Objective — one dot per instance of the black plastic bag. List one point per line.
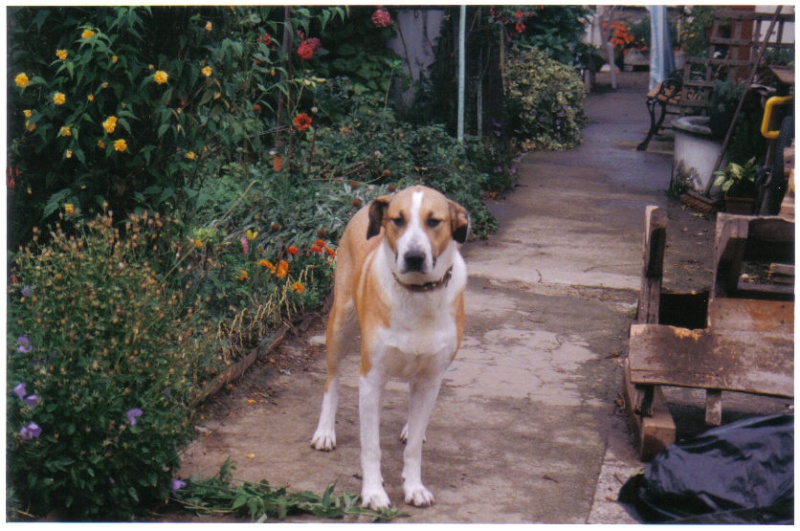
(741, 473)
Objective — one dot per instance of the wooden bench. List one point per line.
(747, 344)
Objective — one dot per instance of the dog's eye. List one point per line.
(399, 222)
(433, 223)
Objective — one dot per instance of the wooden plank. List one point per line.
(751, 315)
(729, 248)
(655, 432)
(713, 407)
(655, 240)
(760, 362)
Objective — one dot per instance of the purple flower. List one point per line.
(20, 391)
(177, 485)
(132, 414)
(23, 345)
(26, 291)
(31, 401)
(30, 431)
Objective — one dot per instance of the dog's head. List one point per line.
(422, 228)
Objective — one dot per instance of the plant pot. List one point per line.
(739, 205)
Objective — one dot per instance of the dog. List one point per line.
(401, 278)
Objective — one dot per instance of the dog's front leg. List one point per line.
(370, 389)
(422, 398)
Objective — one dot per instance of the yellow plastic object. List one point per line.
(772, 102)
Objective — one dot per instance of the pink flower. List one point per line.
(245, 245)
(381, 18)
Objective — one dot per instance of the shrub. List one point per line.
(544, 101)
(113, 358)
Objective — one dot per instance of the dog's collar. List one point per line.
(428, 286)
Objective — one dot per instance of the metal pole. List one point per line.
(462, 31)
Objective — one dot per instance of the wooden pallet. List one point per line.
(747, 344)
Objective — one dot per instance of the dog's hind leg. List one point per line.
(341, 329)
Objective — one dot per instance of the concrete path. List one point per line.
(526, 429)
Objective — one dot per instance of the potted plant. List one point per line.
(738, 184)
(724, 100)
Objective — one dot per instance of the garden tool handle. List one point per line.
(772, 102)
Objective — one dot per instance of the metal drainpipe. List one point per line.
(462, 30)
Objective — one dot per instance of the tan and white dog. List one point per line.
(400, 276)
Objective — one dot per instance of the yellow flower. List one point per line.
(101, 144)
(206, 71)
(104, 85)
(68, 154)
(27, 113)
(198, 244)
(90, 97)
(251, 235)
(190, 155)
(209, 26)
(21, 80)
(69, 208)
(31, 127)
(110, 124)
(114, 59)
(64, 131)
(160, 77)
(298, 287)
(61, 54)
(59, 98)
(242, 275)
(87, 34)
(120, 145)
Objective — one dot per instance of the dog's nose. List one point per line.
(415, 260)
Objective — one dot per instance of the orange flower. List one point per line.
(282, 270)
(316, 249)
(302, 122)
(320, 243)
(292, 250)
(298, 287)
(331, 252)
(277, 163)
(242, 275)
(266, 264)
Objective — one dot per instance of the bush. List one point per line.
(544, 101)
(104, 361)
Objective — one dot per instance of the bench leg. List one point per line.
(653, 432)
(654, 125)
(713, 407)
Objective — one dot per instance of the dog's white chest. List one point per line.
(415, 345)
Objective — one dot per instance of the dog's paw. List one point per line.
(417, 495)
(375, 499)
(324, 441)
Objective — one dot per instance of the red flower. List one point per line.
(316, 249)
(302, 122)
(520, 27)
(314, 43)
(266, 39)
(305, 51)
(292, 250)
(381, 18)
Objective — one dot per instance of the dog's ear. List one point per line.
(377, 209)
(459, 222)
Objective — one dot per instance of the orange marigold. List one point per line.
(282, 269)
(302, 122)
(298, 287)
(292, 250)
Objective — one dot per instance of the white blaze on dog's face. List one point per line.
(422, 229)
